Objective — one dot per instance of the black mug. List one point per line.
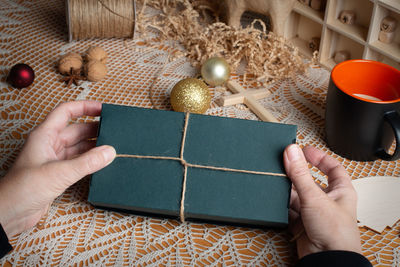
(362, 110)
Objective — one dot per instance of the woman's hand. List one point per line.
(55, 156)
(327, 217)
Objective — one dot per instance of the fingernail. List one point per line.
(294, 152)
(109, 153)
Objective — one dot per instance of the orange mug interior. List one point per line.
(375, 80)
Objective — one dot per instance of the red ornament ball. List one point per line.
(21, 76)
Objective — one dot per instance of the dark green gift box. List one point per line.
(153, 186)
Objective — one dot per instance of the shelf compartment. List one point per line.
(335, 42)
(389, 61)
(377, 56)
(344, 43)
(391, 50)
(362, 8)
(307, 11)
(358, 31)
(301, 32)
(354, 32)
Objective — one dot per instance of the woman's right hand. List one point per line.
(327, 218)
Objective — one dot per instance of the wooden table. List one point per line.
(74, 233)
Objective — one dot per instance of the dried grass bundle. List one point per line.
(269, 58)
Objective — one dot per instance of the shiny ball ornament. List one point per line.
(190, 95)
(215, 71)
(21, 76)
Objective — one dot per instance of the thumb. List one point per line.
(298, 172)
(75, 169)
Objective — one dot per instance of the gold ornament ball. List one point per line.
(215, 71)
(190, 95)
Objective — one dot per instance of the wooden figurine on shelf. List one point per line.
(317, 4)
(313, 44)
(388, 24)
(341, 56)
(277, 10)
(388, 27)
(347, 17)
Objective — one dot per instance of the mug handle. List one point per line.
(393, 118)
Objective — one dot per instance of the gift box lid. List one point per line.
(154, 186)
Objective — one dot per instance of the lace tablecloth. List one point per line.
(75, 233)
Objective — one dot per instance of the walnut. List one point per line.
(96, 53)
(71, 62)
(95, 70)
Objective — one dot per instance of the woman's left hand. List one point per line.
(55, 156)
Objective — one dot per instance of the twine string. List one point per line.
(186, 164)
(115, 13)
(101, 18)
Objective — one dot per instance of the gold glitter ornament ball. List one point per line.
(190, 95)
(215, 71)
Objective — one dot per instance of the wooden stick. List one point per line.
(235, 99)
(249, 98)
(259, 110)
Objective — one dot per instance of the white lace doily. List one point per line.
(35, 32)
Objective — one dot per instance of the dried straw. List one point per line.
(268, 57)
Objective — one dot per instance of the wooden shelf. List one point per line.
(302, 9)
(354, 32)
(303, 31)
(390, 50)
(359, 39)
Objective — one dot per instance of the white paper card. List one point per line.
(378, 201)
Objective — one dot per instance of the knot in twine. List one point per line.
(186, 164)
